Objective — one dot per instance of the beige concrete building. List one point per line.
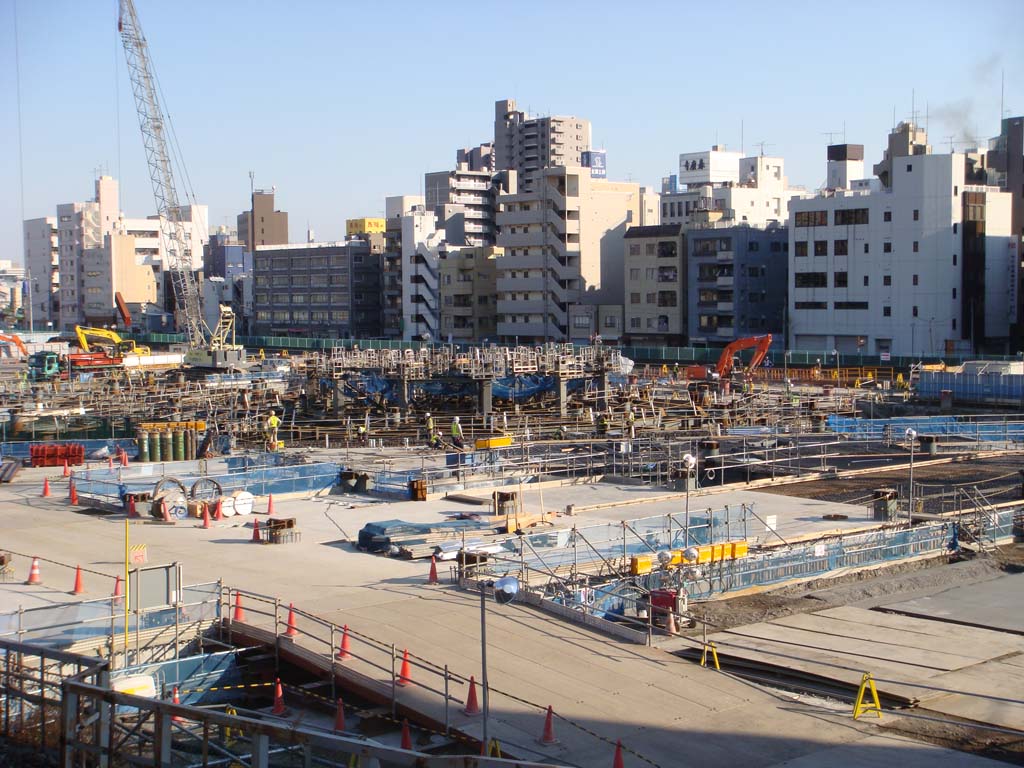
(110, 270)
(563, 242)
(261, 224)
(42, 266)
(469, 291)
(655, 285)
(527, 144)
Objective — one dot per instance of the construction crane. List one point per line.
(206, 348)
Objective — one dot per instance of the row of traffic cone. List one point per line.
(35, 577)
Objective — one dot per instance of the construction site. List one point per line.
(224, 551)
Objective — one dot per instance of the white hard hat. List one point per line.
(427, 413)
(456, 418)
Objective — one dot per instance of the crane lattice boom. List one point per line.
(153, 125)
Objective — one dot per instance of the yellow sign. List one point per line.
(137, 554)
(156, 426)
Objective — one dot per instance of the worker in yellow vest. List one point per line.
(272, 425)
(457, 433)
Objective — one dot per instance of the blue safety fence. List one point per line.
(1002, 429)
(204, 679)
(993, 388)
(20, 450)
(259, 475)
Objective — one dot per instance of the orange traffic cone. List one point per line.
(72, 494)
(548, 737)
(206, 516)
(472, 705)
(124, 458)
(132, 511)
(618, 762)
(167, 514)
(343, 652)
(292, 631)
(239, 611)
(432, 578)
(78, 588)
(339, 717)
(270, 505)
(278, 700)
(34, 577)
(218, 512)
(175, 700)
(117, 587)
(46, 487)
(404, 675)
(670, 624)
(67, 469)
(406, 735)
(110, 462)
(256, 532)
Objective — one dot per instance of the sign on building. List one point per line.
(596, 160)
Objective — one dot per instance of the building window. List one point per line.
(811, 218)
(664, 209)
(954, 228)
(954, 293)
(611, 322)
(887, 280)
(917, 215)
(634, 322)
(634, 273)
(886, 311)
(800, 248)
(811, 305)
(581, 321)
(851, 305)
(865, 281)
(915, 311)
(753, 245)
(915, 279)
(651, 273)
(886, 247)
(910, 167)
(841, 247)
(634, 298)
(916, 246)
(866, 248)
(649, 249)
(821, 247)
(851, 216)
(954, 323)
(887, 216)
(652, 298)
(840, 279)
(810, 280)
(954, 259)
(634, 250)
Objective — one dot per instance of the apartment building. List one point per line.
(920, 261)
(82, 226)
(224, 256)
(42, 267)
(722, 188)
(563, 243)
(737, 282)
(423, 244)
(1005, 161)
(464, 203)
(327, 290)
(526, 144)
(261, 224)
(391, 279)
(114, 268)
(655, 285)
(469, 293)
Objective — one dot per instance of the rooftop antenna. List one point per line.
(762, 145)
(1002, 94)
(252, 183)
(844, 131)
(832, 134)
(950, 138)
(913, 107)
(894, 117)
(742, 142)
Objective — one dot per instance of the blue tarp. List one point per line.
(927, 425)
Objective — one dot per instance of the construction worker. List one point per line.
(631, 422)
(362, 434)
(436, 441)
(457, 433)
(602, 425)
(675, 372)
(272, 425)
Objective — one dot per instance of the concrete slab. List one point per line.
(889, 750)
(995, 604)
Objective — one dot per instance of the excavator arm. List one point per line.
(111, 339)
(10, 338)
(725, 362)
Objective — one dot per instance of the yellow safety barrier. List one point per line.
(714, 656)
(494, 749)
(867, 683)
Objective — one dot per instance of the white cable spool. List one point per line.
(227, 506)
(243, 502)
(177, 505)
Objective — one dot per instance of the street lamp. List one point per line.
(689, 462)
(505, 591)
(912, 437)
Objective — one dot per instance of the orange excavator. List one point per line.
(727, 360)
(10, 338)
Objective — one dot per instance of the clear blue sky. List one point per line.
(340, 104)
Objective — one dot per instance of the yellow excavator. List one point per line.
(104, 338)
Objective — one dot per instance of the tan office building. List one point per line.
(468, 287)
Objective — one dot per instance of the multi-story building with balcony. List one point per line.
(464, 203)
(317, 289)
(468, 288)
(737, 283)
(563, 244)
(722, 188)
(423, 244)
(920, 261)
(655, 285)
(42, 267)
(526, 144)
(391, 276)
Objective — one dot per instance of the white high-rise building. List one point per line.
(721, 188)
(920, 261)
(42, 267)
(422, 244)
